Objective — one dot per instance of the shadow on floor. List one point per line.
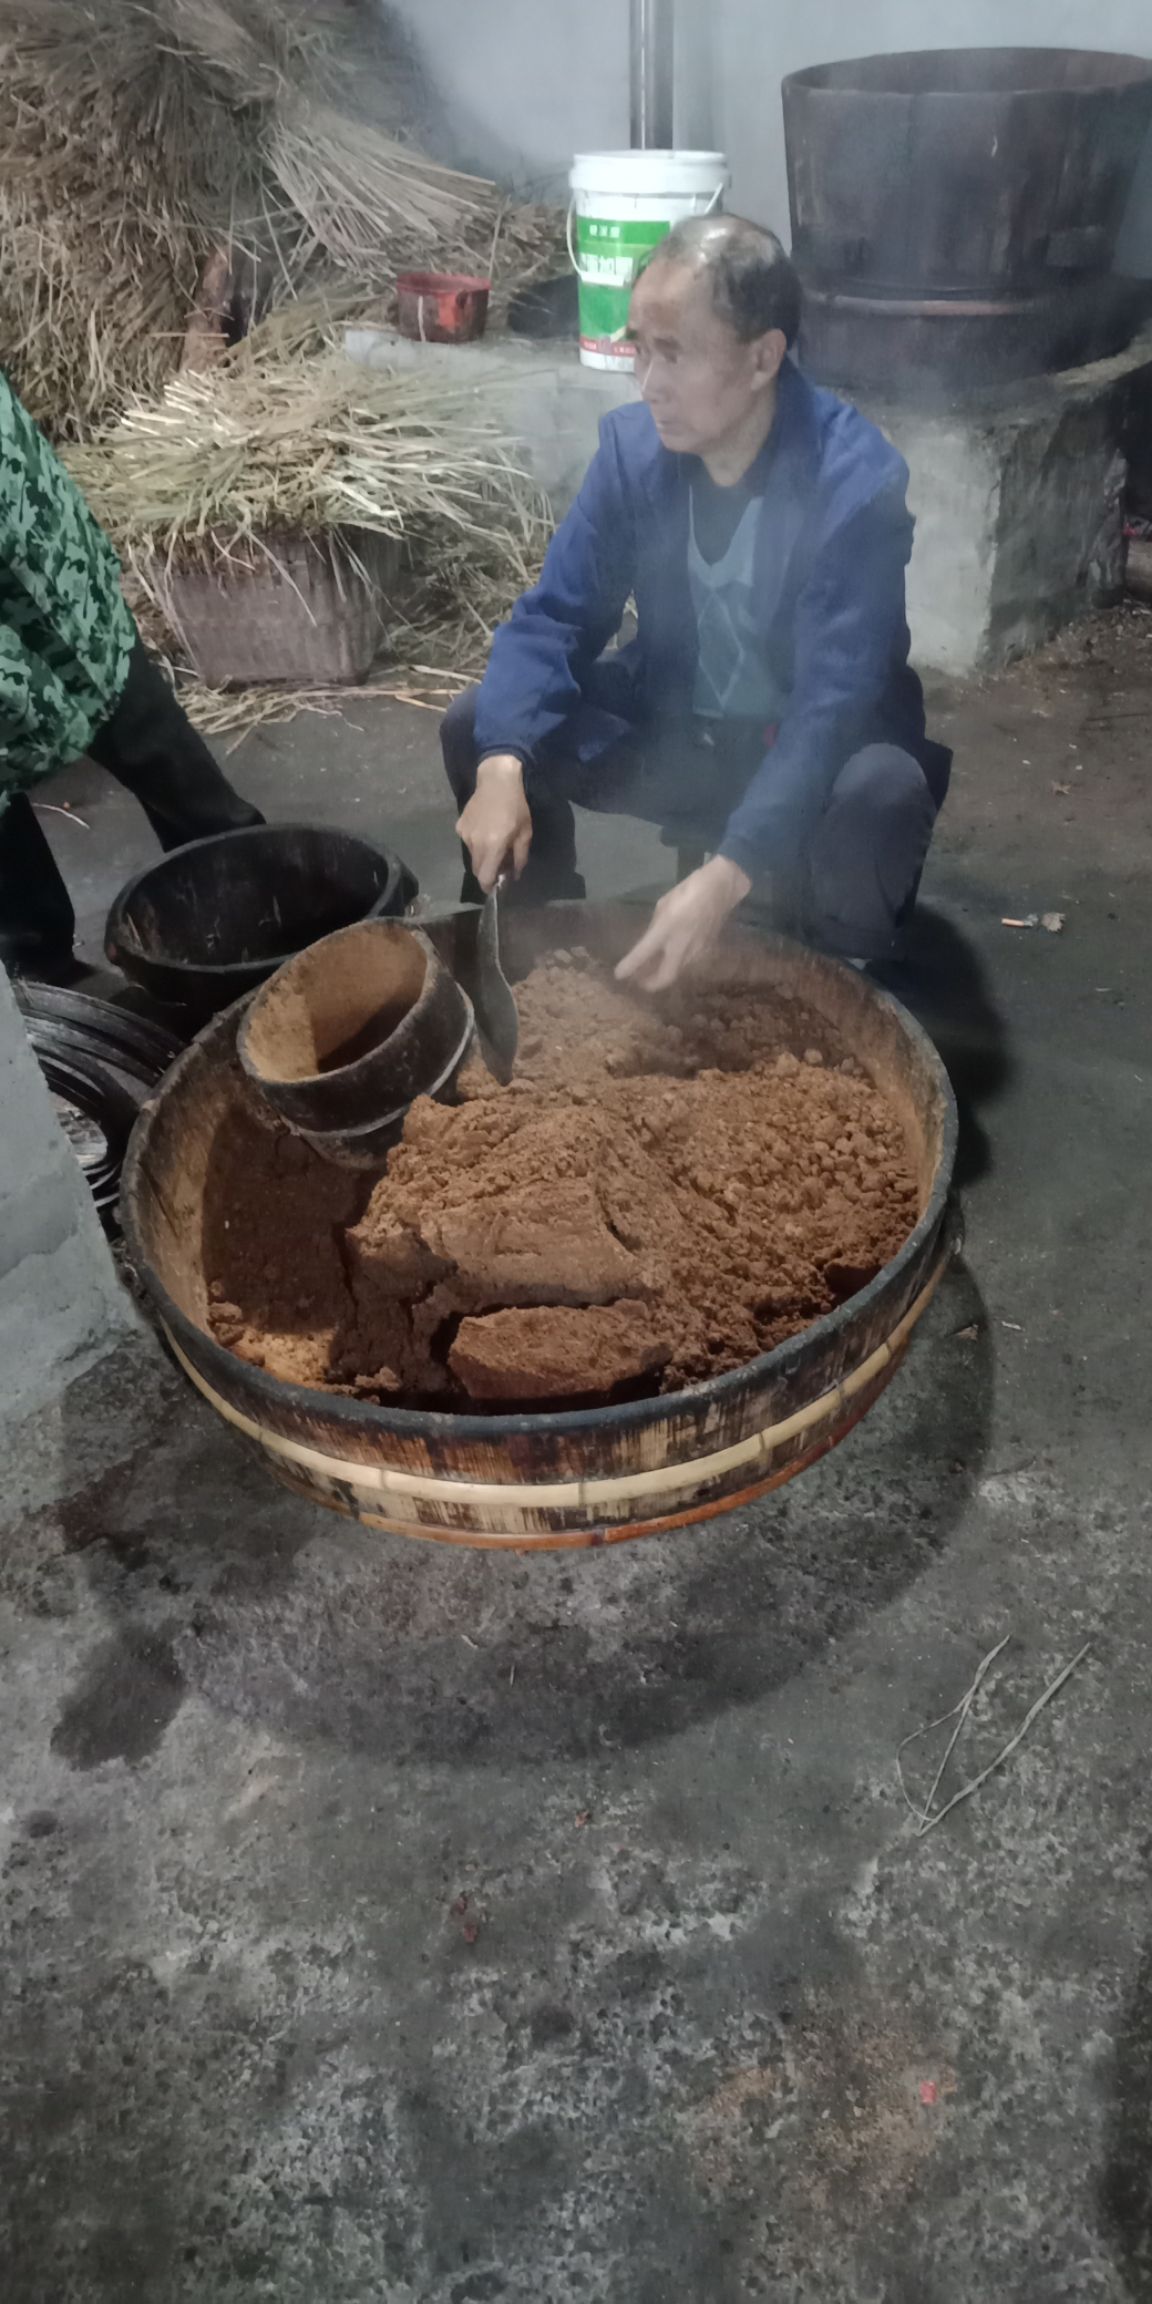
(214, 1581)
(1125, 2190)
(942, 980)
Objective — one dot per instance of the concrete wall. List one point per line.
(61, 1303)
(518, 85)
(1009, 498)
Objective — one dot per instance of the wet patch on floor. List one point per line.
(125, 1701)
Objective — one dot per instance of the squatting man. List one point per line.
(765, 714)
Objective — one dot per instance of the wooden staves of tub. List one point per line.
(582, 1476)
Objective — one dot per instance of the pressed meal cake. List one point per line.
(665, 1190)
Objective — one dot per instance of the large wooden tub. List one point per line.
(588, 1476)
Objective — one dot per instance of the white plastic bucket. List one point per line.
(623, 204)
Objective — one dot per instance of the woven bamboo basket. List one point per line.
(306, 610)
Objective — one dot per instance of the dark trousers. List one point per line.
(150, 746)
(855, 884)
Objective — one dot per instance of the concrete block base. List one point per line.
(1018, 503)
(538, 393)
(1011, 489)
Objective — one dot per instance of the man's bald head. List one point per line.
(754, 285)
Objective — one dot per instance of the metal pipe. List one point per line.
(653, 55)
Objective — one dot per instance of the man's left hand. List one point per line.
(686, 921)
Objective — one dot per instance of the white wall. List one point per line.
(519, 85)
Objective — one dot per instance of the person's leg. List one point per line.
(672, 775)
(150, 746)
(867, 853)
(37, 922)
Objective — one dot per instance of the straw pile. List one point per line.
(285, 437)
(102, 245)
(138, 136)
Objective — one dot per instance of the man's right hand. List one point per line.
(496, 825)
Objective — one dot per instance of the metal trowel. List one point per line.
(497, 1020)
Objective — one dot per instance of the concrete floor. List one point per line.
(386, 1923)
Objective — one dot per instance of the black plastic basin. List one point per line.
(213, 920)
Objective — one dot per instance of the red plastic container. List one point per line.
(442, 307)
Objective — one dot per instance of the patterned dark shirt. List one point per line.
(66, 635)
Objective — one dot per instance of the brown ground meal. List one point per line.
(665, 1190)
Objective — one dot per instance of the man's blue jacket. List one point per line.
(834, 540)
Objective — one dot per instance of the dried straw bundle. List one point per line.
(136, 135)
(369, 200)
(302, 445)
(101, 245)
(270, 444)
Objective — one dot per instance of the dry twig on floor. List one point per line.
(928, 1815)
(959, 1713)
(237, 712)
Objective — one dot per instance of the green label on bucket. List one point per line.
(609, 251)
(609, 254)
(603, 314)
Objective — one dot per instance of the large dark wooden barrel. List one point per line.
(587, 1476)
(955, 211)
